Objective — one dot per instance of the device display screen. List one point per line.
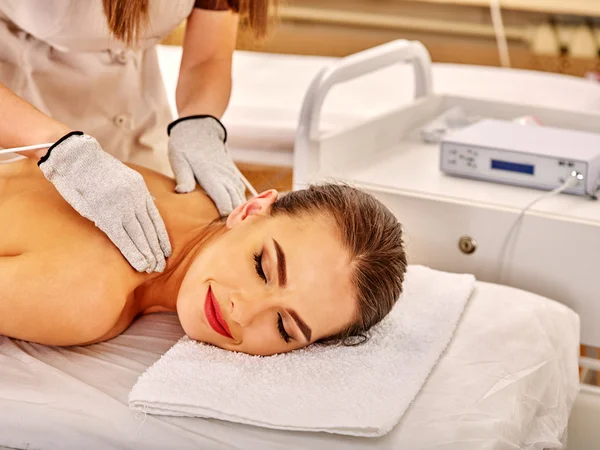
(512, 167)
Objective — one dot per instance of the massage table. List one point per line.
(507, 380)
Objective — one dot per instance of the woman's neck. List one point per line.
(189, 222)
(159, 291)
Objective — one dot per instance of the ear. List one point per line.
(259, 205)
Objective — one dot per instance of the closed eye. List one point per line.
(284, 334)
(261, 273)
(258, 266)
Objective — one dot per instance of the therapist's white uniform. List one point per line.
(59, 56)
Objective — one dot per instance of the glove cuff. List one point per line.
(73, 155)
(44, 158)
(199, 117)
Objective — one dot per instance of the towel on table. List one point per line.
(361, 391)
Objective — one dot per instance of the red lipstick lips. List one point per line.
(212, 310)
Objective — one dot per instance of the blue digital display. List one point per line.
(512, 167)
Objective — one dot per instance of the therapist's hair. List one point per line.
(373, 238)
(256, 15)
(126, 19)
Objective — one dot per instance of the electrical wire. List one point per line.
(246, 182)
(42, 146)
(573, 180)
(26, 148)
(498, 25)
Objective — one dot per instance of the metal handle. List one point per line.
(346, 69)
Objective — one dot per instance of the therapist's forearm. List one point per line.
(21, 124)
(204, 89)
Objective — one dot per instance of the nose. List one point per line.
(246, 306)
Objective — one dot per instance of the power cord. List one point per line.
(498, 25)
(574, 178)
(42, 146)
(27, 148)
(246, 182)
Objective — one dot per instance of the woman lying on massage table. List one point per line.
(321, 264)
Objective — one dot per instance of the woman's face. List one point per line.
(268, 285)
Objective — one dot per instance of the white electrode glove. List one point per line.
(197, 151)
(104, 190)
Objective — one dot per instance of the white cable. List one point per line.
(27, 148)
(573, 179)
(41, 146)
(498, 25)
(246, 182)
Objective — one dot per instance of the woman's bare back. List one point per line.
(75, 274)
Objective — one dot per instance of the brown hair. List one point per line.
(257, 14)
(127, 18)
(373, 238)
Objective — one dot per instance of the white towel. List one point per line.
(360, 391)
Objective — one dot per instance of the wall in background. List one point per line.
(551, 35)
(560, 36)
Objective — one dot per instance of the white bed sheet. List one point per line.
(508, 380)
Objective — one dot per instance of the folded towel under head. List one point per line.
(361, 391)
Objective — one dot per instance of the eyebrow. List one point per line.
(281, 267)
(306, 331)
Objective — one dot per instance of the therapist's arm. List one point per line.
(21, 124)
(204, 84)
(131, 221)
(197, 149)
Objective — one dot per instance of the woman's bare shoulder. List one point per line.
(47, 299)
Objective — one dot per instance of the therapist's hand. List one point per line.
(104, 190)
(197, 152)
